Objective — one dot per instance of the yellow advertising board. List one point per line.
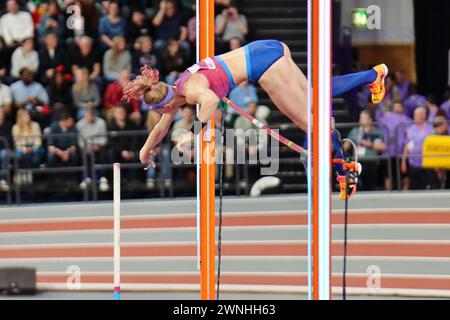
(436, 152)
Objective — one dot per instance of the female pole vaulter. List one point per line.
(267, 62)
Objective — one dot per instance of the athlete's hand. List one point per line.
(182, 142)
(144, 157)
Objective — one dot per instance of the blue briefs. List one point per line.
(260, 55)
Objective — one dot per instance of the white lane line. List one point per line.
(151, 244)
(170, 216)
(229, 228)
(263, 289)
(296, 259)
(229, 242)
(250, 274)
(147, 230)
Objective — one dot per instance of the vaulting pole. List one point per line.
(207, 167)
(321, 147)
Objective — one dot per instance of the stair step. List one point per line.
(291, 174)
(297, 43)
(262, 12)
(284, 20)
(296, 187)
(299, 55)
(282, 33)
(278, 23)
(271, 3)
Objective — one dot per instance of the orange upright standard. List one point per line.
(207, 165)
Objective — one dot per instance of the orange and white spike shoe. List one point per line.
(377, 87)
(349, 191)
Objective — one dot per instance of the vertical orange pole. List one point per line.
(315, 146)
(207, 168)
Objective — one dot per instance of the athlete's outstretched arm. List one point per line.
(155, 136)
(207, 99)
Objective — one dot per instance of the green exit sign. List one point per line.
(359, 18)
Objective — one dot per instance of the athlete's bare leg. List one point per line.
(287, 87)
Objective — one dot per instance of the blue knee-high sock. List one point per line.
(342, 84)
(337, 152)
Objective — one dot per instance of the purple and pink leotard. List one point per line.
(214, 70)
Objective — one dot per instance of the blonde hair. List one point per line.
(116, 52)
(82, 86)
(146, 86)
(19, 122)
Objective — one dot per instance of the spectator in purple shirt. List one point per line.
(416, 134)
(413, 101)
(446, 105)
(393, 125)
(432, 107)
(402, 83)
(391, 95)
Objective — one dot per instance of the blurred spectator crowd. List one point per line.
(63, 64)
(389, 137)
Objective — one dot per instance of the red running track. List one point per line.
(422, 249)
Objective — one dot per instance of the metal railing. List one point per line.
(43, 168)
(4, 145)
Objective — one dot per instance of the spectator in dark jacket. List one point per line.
(59, 92)
(144, 55)
(53, 21)
(62, 150)
(138, 26)
(170, 24)
(440, 128)
(123, 148)
(51, 55)
(84, 55)
(174, 61)
(369, 143)
(5, 148)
